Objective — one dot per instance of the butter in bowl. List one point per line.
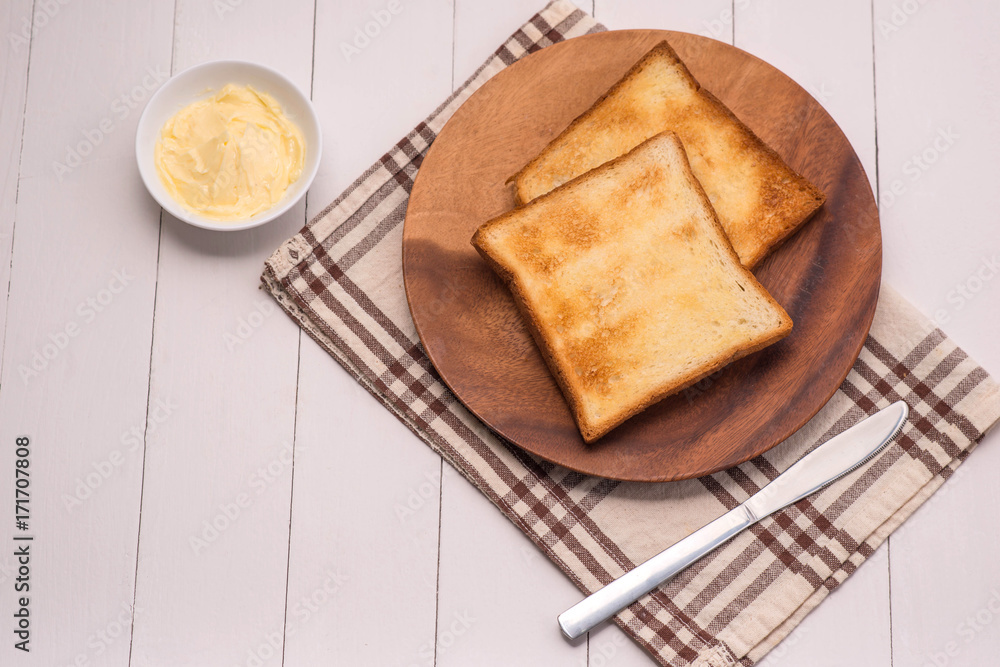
(228, 145)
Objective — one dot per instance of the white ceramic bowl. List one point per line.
(200, 82)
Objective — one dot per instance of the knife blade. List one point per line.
(833, 459)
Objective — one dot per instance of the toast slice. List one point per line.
(629, 285)
(758, 198)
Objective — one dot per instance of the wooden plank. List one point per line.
(858, 609)
(365, 505)
(374, 83)
(937, 111)
(937, 130)
(217, 488)
(364, 518)
(945, 584)
(713, 18)
(480, 29)
(504, 582)
(608, 644)
(15, 23)
(76, 357)
(494, 583)
(827, 49)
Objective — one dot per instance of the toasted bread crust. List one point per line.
(661, 50)
(592, 430)
(767, 225)
(794, 218)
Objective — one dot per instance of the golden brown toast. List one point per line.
(629, 285)
(759, 200)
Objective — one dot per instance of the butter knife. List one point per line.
(828, 462)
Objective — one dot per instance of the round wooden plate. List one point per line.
(826, 276)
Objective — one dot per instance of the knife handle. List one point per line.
(626, 589)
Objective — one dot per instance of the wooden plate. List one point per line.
(826, 276)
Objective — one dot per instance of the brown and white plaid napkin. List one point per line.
(341, 278)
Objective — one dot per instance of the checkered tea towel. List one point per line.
(341, 279)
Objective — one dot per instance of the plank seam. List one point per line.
(878, 197)
(298, 375)
(312, 80)
(17, 184)
(437, 576)
(291, 481)
(145, 434)
(875, 105)
(149, 385)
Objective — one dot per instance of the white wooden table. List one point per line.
(189, 501)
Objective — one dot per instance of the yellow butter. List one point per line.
(231, 156)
